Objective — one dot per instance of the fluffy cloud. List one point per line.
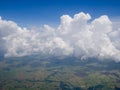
(75, 36)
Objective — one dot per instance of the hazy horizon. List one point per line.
(59, 45)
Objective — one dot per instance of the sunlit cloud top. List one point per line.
(75, 36)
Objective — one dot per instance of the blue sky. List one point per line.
(38, 12)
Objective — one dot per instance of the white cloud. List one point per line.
(74, 36)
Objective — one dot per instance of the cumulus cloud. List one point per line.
(75, 36)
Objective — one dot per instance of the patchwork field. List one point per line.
(58, 74)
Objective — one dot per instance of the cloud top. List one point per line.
(75, 36)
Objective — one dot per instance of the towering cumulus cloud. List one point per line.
(75, 36)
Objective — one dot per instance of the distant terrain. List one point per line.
(30, 73)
